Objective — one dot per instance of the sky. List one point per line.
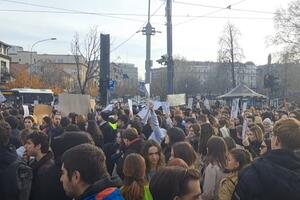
(197, 26)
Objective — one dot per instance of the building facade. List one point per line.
(4, 63)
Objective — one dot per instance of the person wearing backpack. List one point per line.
(15, 175)
(276, 175)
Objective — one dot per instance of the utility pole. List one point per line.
(170, 66)
(232, 58)
(148, 30)
(104, 73)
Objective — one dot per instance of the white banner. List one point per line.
(176, 99)
(190, 103)
(130, 106)
(234, 108)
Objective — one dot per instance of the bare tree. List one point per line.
(230, 50)
(86, 57)
(287, 24)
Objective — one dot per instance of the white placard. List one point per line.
(190, 103)
(156, 104)
(176, 99)
(26, 110)
(143, 113)
(130, 106)
(166, 107)
(147, 86)
(234, 108)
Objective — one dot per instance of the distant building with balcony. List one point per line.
(4, 63)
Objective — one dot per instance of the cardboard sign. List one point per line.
(41, 111)
(77, 103)
(176, 99)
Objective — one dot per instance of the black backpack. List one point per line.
(15, 182)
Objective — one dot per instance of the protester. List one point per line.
(28, 122)
(12, 186)
(237, 159)
(277, 174)
(154, 158)
(173, 135)
(253, 140)
(184, 151)
(215, 163)
(133, 143)
(135, 185)
(37, 146)
(175, 183)
(84, 174)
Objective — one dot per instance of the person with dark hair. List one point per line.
(253, 140)
(133, 144)
(65, 122)
(123, 121)
(185, 151)
(84, 174)
(37, 146)
(46, 124)
(95, 132)
(172, 183)
(237, 159)
(81, 122)
(206, 132)
(215, 163)
(135, 186)
(174, 135)
(15, 175)
(28, 122)
(73, 118)
(24, 134)
(15, 133)
(276, 175)
(154, 158)
(56, 129)
(194, 135)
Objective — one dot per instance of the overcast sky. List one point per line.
(194, 39)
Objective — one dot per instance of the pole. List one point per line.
(104, 74)
(170, 66)
(148, 30)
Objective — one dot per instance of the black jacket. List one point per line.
(39, 182)
(136, 146)
(15, 175)
(274, 176)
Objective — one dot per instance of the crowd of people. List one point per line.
(187, 154)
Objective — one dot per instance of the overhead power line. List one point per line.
(229, 7)
(132, 35)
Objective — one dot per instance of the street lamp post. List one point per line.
(44, 40)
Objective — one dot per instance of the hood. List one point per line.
(7, 156)
(101, 185)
